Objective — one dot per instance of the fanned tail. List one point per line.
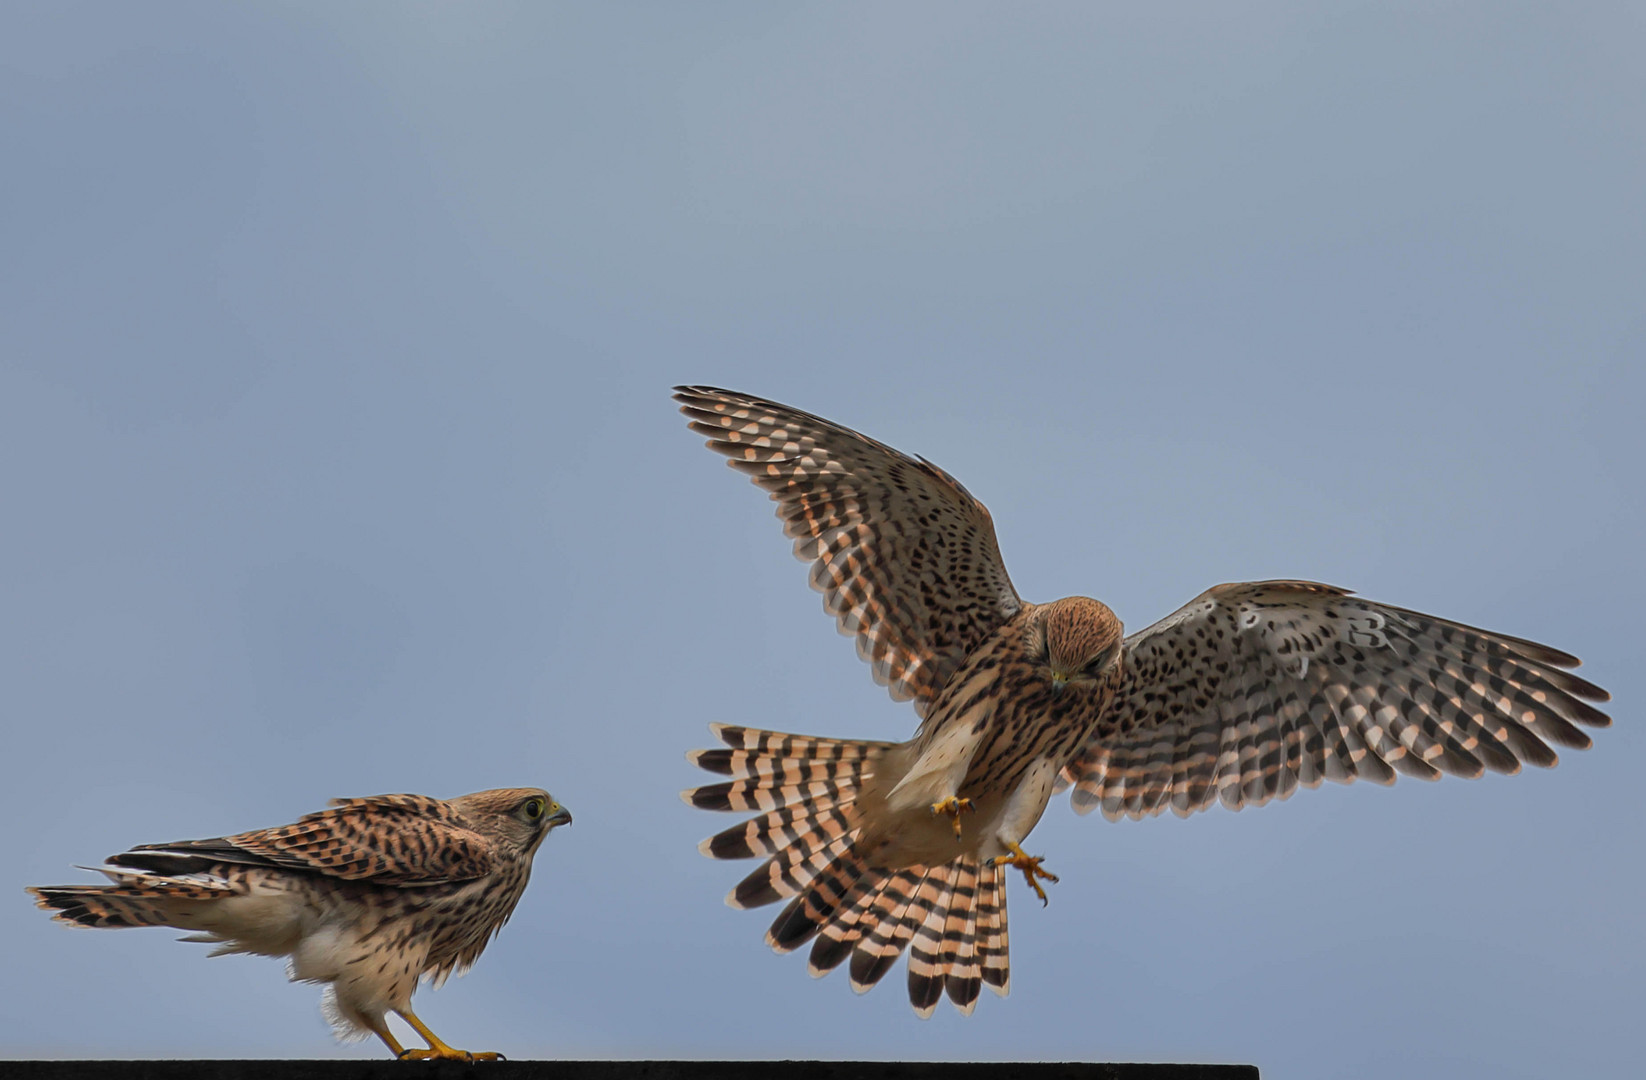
(952, 918)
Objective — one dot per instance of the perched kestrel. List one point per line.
(1245, 694)
(367, 897)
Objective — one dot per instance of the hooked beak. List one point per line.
(1059, 680)
(561, 816)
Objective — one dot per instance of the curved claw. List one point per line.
(1030, 865)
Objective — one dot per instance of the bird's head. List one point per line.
(521, 816)
(1078, 639)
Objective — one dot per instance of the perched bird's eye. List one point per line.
(1096, 667)
(534, 808)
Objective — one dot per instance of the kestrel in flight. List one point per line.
(367, 897)
(1245, 694)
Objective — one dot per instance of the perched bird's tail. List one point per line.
(134, 899)
(951, 917)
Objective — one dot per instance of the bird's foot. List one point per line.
(438, 1050)
(1030, 865)
(953, 807)
(446, 1053)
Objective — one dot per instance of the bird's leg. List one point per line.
(381, 1030)
(437, 1049)
(953, 807)
(1030, 865)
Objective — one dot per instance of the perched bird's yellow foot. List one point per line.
(954, 807)
(1030, 865)
(437, 1051)
(446, 1053)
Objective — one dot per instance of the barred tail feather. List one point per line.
(771, 770)
(888, 929)
(963, 974)
(927, 972)
(834, 888)
(786, 874)
(836, 939)
(952, 919)
(803, 787)
(134, 900)
(992, 942)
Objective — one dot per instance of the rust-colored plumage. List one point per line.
(1245, 694)
(367, 897)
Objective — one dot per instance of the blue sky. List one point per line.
(338, 459)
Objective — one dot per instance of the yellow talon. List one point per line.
(417, 1053)
(437, 1051)
(954, 807)
(1030, 865)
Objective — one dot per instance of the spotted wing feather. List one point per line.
(398, 840)
(905, 557)
(1253, 690)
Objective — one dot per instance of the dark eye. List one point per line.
(1096, 666)
(533, 808)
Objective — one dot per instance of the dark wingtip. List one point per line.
(1584, 713)
(1590, 692)
(686, 394)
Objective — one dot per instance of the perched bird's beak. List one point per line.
(561, 816)
(1059, 680)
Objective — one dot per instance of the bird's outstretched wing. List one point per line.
(1252, 690)
(401, 840)
(905, 557)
